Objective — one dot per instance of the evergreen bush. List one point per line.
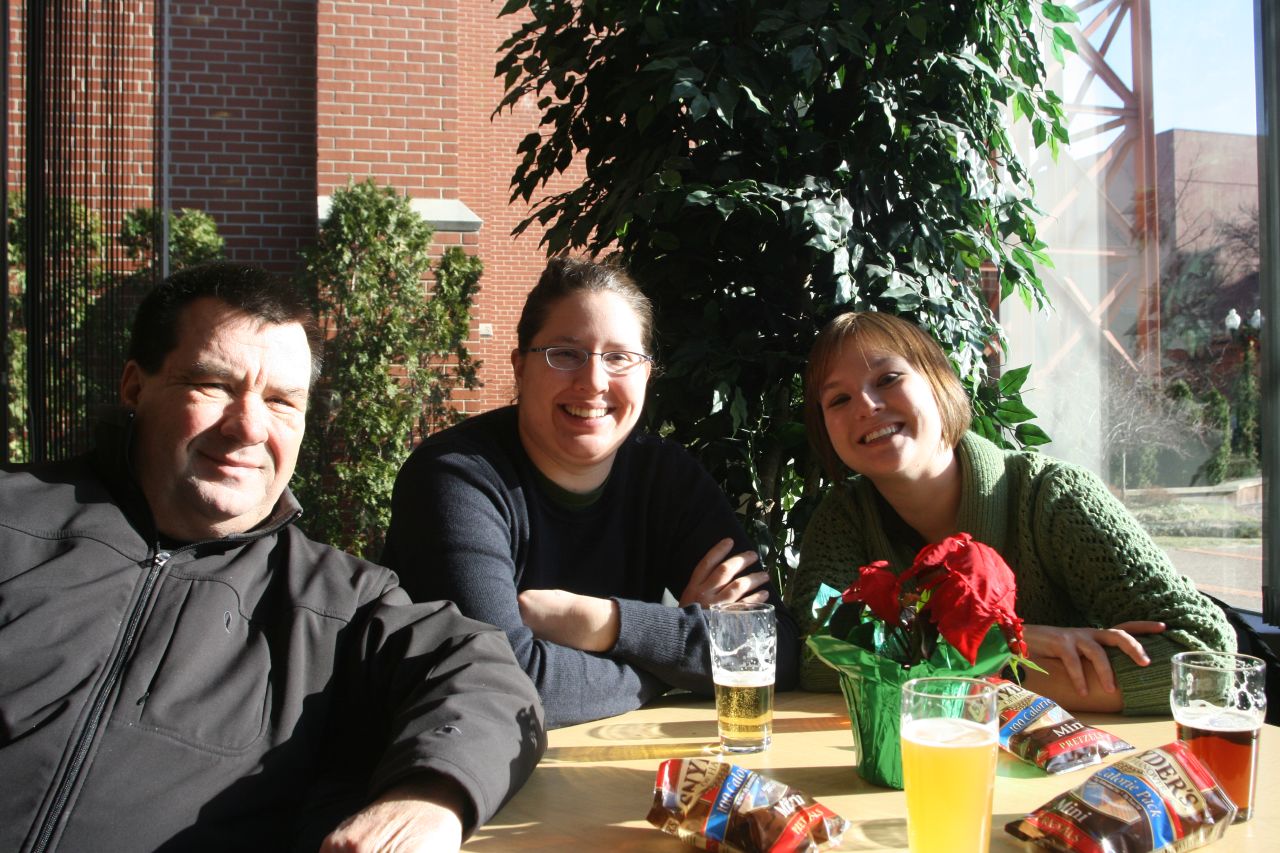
(385, 357)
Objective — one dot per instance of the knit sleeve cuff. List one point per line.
(661, 638)
(1146, 688)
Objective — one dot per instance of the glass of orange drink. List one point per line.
(949, 746)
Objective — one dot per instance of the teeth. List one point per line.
(583, 412)
(880, 433)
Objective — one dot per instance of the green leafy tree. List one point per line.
(193, 238)
(448, 323)
(757, 163)
(1246, 439)
(384, 355)
(1217, 418)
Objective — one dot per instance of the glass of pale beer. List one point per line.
(744, 644)
(949, 745)
(1219, 702)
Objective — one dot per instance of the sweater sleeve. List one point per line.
(1113, 572)
(454, 535)
(457, 703)
(674, 643)
(829, 554)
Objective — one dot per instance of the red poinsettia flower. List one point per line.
(879, 589)
(971, 588)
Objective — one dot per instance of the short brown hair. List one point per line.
(894, 335)
(566, 276)
(249, 289)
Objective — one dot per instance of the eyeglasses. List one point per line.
(616, 362)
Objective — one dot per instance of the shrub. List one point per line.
(384, 359)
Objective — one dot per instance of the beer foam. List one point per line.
(948, 732)
(743, 679)
(1201, 715)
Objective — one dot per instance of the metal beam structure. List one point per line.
(1110, 112)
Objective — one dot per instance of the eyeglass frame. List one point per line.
(586, 357)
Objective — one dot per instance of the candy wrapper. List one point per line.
(1037, 730)
(1159, 800)
(718, 806)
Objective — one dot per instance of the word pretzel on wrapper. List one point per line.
(717, 806)
(1037, 730)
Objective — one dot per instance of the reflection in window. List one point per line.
(1147, 371)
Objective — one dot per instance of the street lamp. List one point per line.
(1232, 322)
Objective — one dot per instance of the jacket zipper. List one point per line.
(90, 730)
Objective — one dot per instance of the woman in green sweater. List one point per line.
(1104, 608)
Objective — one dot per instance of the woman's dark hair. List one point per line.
(567, 276)
(246, 288)
(875, 330)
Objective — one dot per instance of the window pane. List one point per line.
(1147, 370)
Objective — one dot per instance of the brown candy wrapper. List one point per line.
(1159, 800)
(718, 806)
(1037, 730)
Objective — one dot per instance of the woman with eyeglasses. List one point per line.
(559, 522)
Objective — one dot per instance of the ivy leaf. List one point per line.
(1011, 380)
(1059, 13)
(1031, 435)
(1012, 412)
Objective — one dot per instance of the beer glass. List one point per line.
(1219, 701)
(949, 745)
(744, 644)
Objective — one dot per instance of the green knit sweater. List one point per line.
(1079, 557)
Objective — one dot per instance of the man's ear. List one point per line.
(131, 384)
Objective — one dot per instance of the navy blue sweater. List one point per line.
(471, 523)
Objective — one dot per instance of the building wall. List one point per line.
(242, 133)
(487, 160)
(274, 104)
(1205, 178)
(406, 95)
(387, 95)
(97, 97)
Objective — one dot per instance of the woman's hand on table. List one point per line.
(1076, 660)
(569, 619)
(715, 579)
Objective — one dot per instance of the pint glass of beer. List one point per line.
(1219, 702)
(949, 746)
(744, 644)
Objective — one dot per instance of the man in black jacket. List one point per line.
(181, 668)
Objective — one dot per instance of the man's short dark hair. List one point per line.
(244, 287)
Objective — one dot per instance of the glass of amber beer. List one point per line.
(1219, 702)
(744, 644)
(949, 746)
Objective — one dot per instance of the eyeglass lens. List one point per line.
(571, 358)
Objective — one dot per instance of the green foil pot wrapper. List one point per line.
(872, 687)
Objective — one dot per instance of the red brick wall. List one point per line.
(405, 95)
(100, 101)
(487, 159)
(243, 122)
(387, 95)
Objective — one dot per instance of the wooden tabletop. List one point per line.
(594, 786)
